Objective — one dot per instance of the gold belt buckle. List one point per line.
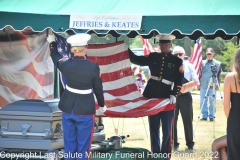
(160, 78)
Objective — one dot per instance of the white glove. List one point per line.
(51, 38)
(101, 110)
(172, 99)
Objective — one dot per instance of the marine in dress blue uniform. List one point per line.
(166, 71)
(184, 100)
(205, 76)
(77, 100)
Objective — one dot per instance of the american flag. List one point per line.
(63, 47)
(27, 71)
(121, 95)
(196, 56)
(65, 50)
(147, 47)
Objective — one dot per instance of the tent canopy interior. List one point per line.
(208, 19)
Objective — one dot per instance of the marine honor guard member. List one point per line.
(77, 100)
(166, 71)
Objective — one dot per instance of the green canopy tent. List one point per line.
(194, 19)
(210, 19)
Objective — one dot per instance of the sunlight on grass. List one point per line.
(205, 132)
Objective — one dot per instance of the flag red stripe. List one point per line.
(105, 60)
(20, 90)
(146, 106)
(3, 102)
(100, 46)
(123, 90)
(23, 40)
(147, 47)
(41, 78)
(136, 114)
(196, 56)
(120, 102)
(112, 76)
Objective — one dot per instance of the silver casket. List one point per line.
(31, 124)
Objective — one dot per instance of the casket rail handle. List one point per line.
(25, 129)
(48, 134)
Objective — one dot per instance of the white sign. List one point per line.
(105, 22)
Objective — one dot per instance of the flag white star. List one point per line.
(60, 50)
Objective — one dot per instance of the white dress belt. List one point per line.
(162, 80)
(78, 91)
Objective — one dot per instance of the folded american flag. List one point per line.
(122, 97)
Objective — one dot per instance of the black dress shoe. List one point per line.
(191, 148)
(176, 147)
(203, 119)
(211, 119)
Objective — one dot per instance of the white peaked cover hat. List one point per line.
(79, 40)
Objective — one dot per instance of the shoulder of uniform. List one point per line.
(175, 58)
(154, 53)
(92, 63)
(178, 60)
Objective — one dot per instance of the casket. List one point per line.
(31, 124)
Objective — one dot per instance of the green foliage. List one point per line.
(137, 42)
(218, 45)
(227, 56)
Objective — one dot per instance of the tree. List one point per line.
(227, 56)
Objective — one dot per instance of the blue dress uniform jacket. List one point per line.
(163, 66)
(82, 75)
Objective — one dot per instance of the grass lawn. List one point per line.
(198, 92)
(204, 132)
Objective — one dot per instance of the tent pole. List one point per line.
(154, 35)
(47, 32)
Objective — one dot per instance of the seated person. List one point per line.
(219, 147)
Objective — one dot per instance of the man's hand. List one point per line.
(198, 87)
(172, 99)
(51, 38)
(101, 110)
